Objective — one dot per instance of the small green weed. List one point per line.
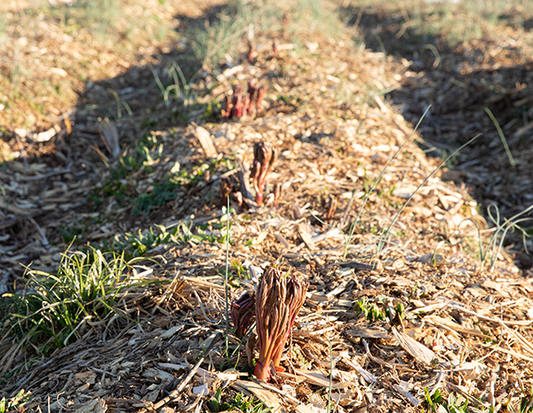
(161, 193)
(72, 232)
(166, 190)
(137, 243)
(124, 188)
(15, 403)
(183, 92)
(248, 404)
(213, 108)
(526, 403)
(454, 404)
(373, 313)
(216, 405)
(241, 402)
(141, 156)
(242, 273)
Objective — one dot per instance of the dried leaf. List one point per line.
(204, 137)
(110, 136)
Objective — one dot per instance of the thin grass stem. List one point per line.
(511, 222)
(480, 240)
(117, 98)
(385, 235)
(502, 137)
(354, 223)
(128, 109)
(328, 409)
(226, 278)
(508, 226)
(157, 80)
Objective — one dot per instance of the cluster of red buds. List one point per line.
(278, 300)
(263, 162)
(264, 158)
(243, 313)
(330, 206)
(240, 105)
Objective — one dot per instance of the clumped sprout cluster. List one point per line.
(262, 164)
(264, 158)
(274, 307)
(241, 105)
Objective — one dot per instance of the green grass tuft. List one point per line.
(55, 309)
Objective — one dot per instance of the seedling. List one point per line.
(454, 404)
(264, 158)
(371, 311)
(16, 403)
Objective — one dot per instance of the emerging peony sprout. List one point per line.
(251, 97)
(264, 158)
(296, 291)
(227, 112)
(225, 190)
(275, 47)
(240, 105)
(245, 105)
(242, 313)
(260, 95)
(331, 207)
(278, 301)
(236, 109)
(251, 52)
(277, 193)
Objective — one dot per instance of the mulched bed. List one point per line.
(381, 325)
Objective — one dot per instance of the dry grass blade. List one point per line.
(414, 348)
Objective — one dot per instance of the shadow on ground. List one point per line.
(460, 82)
(65, 187)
